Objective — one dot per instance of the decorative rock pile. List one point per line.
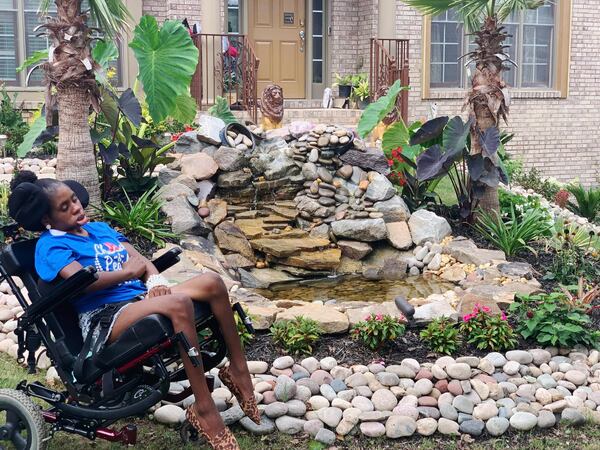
(43, 168)
(521, 390)
(239, 141)
(555, 210)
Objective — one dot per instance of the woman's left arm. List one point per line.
(150, 269)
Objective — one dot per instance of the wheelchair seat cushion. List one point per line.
(143, 335)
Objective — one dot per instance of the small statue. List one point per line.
(271, 106)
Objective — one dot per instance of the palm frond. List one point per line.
(44, 7)
(431, 7)
(111, 16)
(506, 7)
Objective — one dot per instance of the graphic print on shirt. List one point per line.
(109, 256)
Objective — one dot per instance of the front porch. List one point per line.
(228, 67)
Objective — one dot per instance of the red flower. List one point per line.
(175, 137)
(189, 128)
(390, 162)
(530, 314)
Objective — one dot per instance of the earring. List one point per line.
(48, 227)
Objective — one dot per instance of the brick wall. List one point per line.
(173, 9)
(560, 137)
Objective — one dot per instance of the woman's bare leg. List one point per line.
(209, 288)
(179, 309)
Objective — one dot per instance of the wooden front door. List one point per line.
(277, 29)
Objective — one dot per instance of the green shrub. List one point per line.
(514, 234)
(140, 218)
(487, 331)
(520, 203)
(532, 180)
(11, 123)
(245, 335)
(588, 202)
(378, 329)
(576, 254)
(297, 336)
(550, 319)
(441, 336)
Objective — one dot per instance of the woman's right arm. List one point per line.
(133, 268)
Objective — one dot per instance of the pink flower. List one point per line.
(486, 309)
(367, 317)
(503, 316)
(467, 317)
(379, 317)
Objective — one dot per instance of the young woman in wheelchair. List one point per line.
(129, 288)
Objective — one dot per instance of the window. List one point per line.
(18, 41)
(538, 40)
(318, 41)
(233, 16)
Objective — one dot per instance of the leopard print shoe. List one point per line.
(223, 440)
(248, 405)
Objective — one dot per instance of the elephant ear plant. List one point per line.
(470, 174)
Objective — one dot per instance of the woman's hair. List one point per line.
(48, 185)
(29, 200)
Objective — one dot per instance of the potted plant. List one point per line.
(344, 84)
(361, 93)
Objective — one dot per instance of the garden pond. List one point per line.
(354, 288)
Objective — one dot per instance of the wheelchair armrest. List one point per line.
(166, 260)
(63, 292)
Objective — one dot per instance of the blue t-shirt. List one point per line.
(102, 249)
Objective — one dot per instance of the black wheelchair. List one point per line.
(124, 379)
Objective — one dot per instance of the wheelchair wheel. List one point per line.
(22, 425)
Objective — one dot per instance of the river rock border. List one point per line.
(519, 390)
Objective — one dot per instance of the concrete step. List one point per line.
(344, 117)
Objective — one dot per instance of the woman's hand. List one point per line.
(135, 267)
(157, 291)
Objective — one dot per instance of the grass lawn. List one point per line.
(152, 436)
(446, 192)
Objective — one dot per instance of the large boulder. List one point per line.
(199, 166)
(188, 143)
(427, 226)
(329, 319)
(183, 218)
(209, 130)
(399, 235)
(380, 188)
(371, 159)
(237, 179)
(394, 209)
(230, 159)
(229, 237)
(465, 251)
(366, 230)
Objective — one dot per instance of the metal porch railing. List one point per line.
(227, 67)
(389, 62)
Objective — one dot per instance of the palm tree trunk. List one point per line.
(70, 73)
(486, 98)
(76, 159)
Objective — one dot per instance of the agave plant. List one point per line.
(488, 97)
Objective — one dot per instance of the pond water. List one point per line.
(357, 289)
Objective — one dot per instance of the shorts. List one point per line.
(113, 310)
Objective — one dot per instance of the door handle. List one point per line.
(302, 40)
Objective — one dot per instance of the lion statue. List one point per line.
(271, 106)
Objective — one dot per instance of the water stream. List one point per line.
(343, 289)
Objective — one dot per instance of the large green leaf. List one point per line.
(35, 58)
(36, 128)
(104, 52)
(167, 59)
(395, 136)
(221, 110)
(376, 111)
(185, 109)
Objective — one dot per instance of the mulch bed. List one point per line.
(348, 351)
